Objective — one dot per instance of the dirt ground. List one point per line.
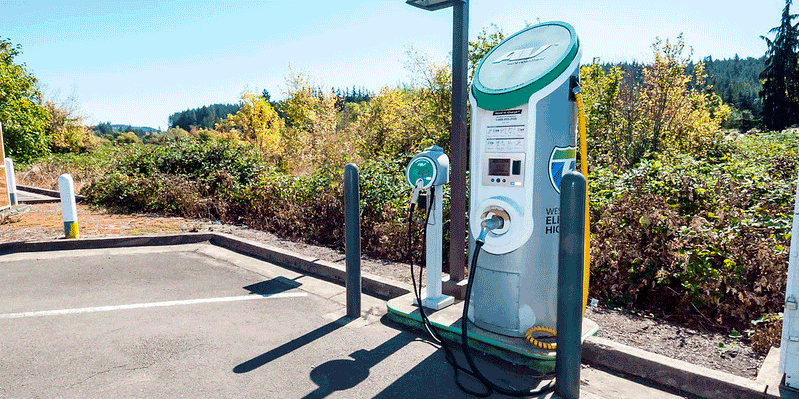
(711, 350)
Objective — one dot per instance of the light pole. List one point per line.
(459, 157)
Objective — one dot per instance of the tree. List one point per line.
(680, 115)
(256, 122)
(431, 100)
(202, 118)
(667, 110)
(105, 130)
(128, 138)
(65, 130)
(21, 111)
(386, 125)
(780, 78)
(487, 39)
(314, 137)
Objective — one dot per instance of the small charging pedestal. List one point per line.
(426, 170)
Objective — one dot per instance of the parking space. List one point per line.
(201, 321)
(184, 321)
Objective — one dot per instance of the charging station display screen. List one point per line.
(499, 166)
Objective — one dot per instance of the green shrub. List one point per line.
(229, 182)
(84, 167)
(698, 238)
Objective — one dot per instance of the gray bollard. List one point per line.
(11, 182)
(352, 239)
(570, 285)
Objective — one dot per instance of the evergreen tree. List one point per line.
(205, 117)
(105, 130)
(780, 78)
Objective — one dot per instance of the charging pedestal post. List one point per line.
(430, 169)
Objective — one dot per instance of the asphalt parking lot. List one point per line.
(201, 321)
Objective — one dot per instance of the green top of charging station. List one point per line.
(523, 64)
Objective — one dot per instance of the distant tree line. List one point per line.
(111, 132)
(354, 95)
(205, 117)
(208, 116)
(735, 80)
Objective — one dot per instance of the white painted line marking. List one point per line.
(150, 305)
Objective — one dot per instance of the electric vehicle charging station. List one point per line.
(525, 106)
(425, 171)
(522, 142)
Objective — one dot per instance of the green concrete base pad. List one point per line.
(448, 322)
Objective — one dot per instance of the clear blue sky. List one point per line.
(137, 62)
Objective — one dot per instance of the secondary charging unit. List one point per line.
(425, 171)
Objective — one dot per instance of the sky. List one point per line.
(137, 62)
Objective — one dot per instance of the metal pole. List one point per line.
(457, 226)
(570, 285)
(352, 239)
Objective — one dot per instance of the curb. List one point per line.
(686, 377)
(52, 193)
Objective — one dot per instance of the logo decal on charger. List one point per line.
(561, 160)
(524, 54)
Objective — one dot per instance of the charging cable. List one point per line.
(488, 225)
(494, 223)
(432, 331)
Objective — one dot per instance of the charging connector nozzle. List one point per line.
(493, 223)
(416, 190)
(574, 87)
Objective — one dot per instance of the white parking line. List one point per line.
(150, 305)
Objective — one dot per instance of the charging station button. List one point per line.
(517, 167)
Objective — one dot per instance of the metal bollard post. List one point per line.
(11, 181)
(352, 239)
(570, 285)
(68, 206)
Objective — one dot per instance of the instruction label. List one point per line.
(552, 221)
(505, 131)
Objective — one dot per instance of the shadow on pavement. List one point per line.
(273, 286)
(341, 374)
(290, 346)
(430, 378)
